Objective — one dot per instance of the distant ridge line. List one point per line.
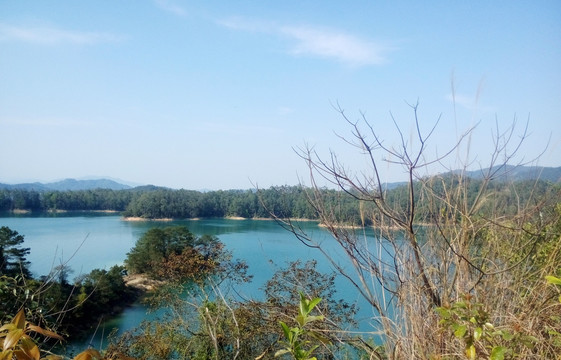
(501, 173)
(68, 185)
(516, 173)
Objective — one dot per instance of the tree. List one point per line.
(156, 246)
(12, 255)
(439, 240)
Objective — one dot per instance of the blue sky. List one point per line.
(217, 94)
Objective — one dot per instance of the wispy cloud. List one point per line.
(337, 45)
(242, 24)
(469, 102)
(49, 35)
(171, 7)
(319, 42)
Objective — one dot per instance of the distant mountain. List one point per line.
(36, 186)
(519, 173)
(149, 188)
(68, 184)
(393, 185)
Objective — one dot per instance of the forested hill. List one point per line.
(68, 185)
(518, 173)
(152, 202)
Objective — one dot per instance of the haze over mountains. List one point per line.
(68, 184)
(519, 173)
(504, 173)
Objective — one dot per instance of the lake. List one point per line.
(87, 241)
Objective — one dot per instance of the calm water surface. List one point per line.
(89, 241)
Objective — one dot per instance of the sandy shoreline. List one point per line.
(237, 218)
(21, 211)
(137, 218)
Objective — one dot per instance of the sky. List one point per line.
(222, 94)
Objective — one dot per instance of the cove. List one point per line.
(87, 241)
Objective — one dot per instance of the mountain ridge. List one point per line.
(499, 173)
(516, 173)
(68, 185)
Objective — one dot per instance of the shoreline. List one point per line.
(235, 218)
(138, 219)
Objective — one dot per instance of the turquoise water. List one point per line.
(88, 241)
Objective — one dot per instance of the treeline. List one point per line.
(152, 202)
(99, 199)
(156, 202)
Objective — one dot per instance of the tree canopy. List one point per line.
(12, 254)
(157, 246)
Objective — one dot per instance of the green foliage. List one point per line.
(152, 202)
(99, 199)
(98, 294)
(176, 256)
(554, 281)
(18, 292)
(469, 322)
(297, 339)
(210, 326)
(156, 246)
(12, 254)
(165, 203)
(519, 317)
(284, 287)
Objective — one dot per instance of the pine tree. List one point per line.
(12, 255)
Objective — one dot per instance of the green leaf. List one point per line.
(313, 303)
(460, 331)
(285, 330)
(528, 341)
(507, 336)
(553, 280)
(477, 333)
(498, 353)
(443, 312)
(303, 304)
(301, 320)
(460, 304)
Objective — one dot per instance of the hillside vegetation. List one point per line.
(458, 266)
(283, 201)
